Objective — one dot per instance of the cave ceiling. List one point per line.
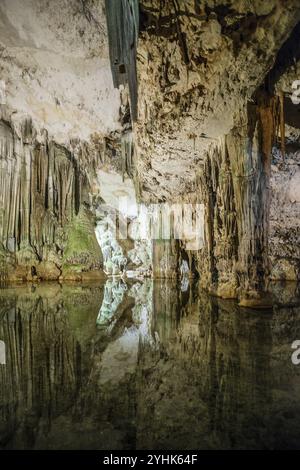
(54, 67)
(198, 64)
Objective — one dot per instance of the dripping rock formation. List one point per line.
(162, 102)
(216, 125)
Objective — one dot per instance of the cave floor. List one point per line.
(146, 365)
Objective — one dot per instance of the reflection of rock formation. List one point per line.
(48, 333)
(142, 312)
(113, 256)
(2, 353)
(113, 295)
(177, 370)
(217, 379)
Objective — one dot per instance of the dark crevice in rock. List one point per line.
(286, 58)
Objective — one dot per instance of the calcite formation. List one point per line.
(214, 81)
(183, 102)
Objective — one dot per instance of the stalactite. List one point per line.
(165, 258)
(123, 26)
(282, 124)
(127, 154)
(235, 191)
(43, 186)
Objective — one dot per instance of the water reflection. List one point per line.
(146, 365)
(114, 291)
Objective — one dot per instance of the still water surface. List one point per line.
(146, 366)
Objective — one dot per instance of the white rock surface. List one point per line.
(54, 66)
(294, 187)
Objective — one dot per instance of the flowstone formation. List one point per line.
(114, 260)
(60, 121)
(47, 228)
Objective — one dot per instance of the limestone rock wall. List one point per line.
(208, 116)
(54, 66)
(198, 64)
(234, 186)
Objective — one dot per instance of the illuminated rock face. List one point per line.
(46, 227)
(55, 67)
(284, 237)
(197, 68)
(57, 106)
(209, 111)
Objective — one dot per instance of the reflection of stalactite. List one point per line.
(113, 295)
(179, 370)
(46, 357)
(231, 368)
(282, 124)
(2, 352)
(208, 354)
(166, 302)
